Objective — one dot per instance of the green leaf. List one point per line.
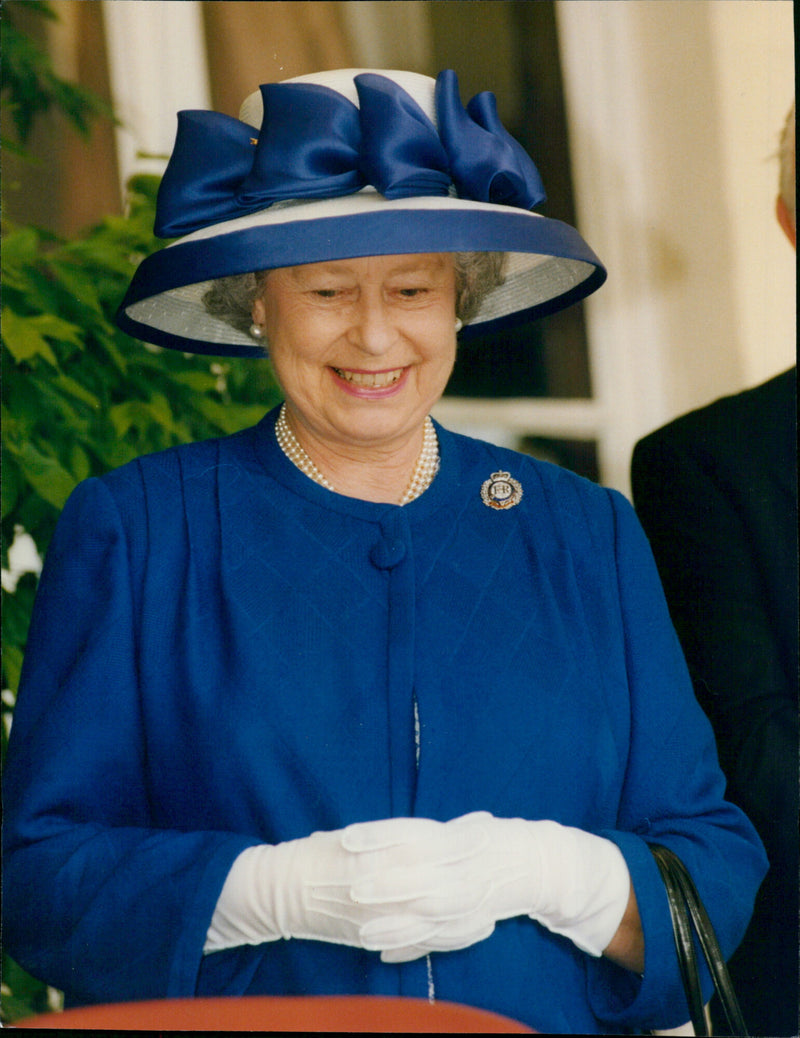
(112, 352)
(42, 414)
(16, 612)
(25, 995)
(199, 381)
(20, 247)
(12, 666)
(78, 283)
(45, 474)
(79, 462)
(131, 414)
(25, 337)
(33, 292)
(10, 485)
(229, 418)
(114, 453)
(161, 411)
(74, 388)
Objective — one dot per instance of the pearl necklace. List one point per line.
(421, 478)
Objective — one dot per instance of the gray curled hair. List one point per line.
(231, 298)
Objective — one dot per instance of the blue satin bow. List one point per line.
(314, 143)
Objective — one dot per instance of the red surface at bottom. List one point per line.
(331, 1013)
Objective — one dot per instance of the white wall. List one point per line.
(675, 109)
(753, 50)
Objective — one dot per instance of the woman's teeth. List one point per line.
(371, 379)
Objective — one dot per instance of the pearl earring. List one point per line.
(255, 331)
(459, 325)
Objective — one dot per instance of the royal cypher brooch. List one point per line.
(501, 491)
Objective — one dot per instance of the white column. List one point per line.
(606, 121)
(157, 65)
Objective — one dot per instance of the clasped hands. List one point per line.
(409, 886)
(415, 886)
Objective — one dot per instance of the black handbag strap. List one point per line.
(688, 914)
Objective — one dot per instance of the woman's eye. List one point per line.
(412, 293)
(326, 293)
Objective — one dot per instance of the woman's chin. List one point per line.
(389, 427)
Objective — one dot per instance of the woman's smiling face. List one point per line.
(362, 348)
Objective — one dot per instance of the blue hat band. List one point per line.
(553, 267)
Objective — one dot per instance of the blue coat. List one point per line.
(224, 653)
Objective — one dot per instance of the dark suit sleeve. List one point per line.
(715, 589)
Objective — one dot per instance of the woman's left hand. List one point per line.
(571, 881)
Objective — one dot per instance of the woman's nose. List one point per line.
(373, 328)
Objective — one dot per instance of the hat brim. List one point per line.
(549, 265)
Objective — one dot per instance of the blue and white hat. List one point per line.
(342, 164)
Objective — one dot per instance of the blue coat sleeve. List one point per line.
(674, 795)
(98, 902)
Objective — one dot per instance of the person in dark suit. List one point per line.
(716, 491)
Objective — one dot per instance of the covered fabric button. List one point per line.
(388, 552)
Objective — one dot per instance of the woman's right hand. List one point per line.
(302, 888)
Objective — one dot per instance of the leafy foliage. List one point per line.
(79, 396)
(31, 87)
(23, 995)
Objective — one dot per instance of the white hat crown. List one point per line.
(419, 87)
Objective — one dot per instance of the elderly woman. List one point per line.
(346, 703)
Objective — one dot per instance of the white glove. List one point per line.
(572, 882)
(301, 888)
